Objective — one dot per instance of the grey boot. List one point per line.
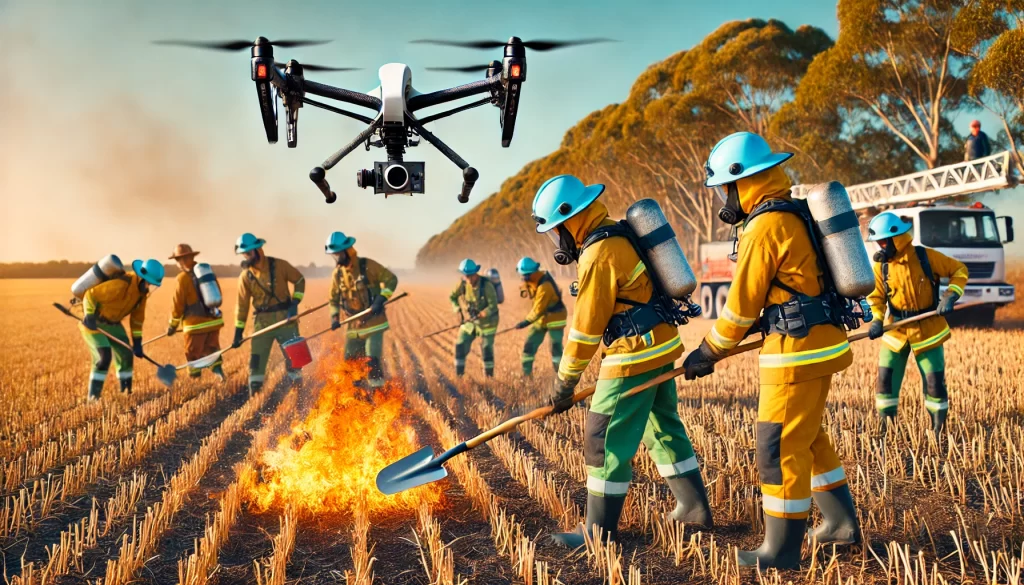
(603, 511)
(691, 500)
(938, 420)
(839, 517)
(781, 547)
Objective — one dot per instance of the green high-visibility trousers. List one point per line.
(370, 347)
(467, 333)
(534, 338)
(891, 368)
(104, 352)
(260, 348)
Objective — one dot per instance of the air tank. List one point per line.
(108, 267)
(209, 291)
(495, 278)
(845, 253)
(659, 241)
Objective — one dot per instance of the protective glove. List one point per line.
(171, 330)
(90, 321)
(293, 309)
(522, 324)
(700, 362)
(876, 330)
(377, 306)
(239, 333)
(335, 322)
(481, 315)
(561, 394)
(946, 302)
(137, 347)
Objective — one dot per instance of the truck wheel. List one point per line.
(707, 301)
(720, 296)
(980, 317)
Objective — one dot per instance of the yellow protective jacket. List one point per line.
(610, 269)
(188, 307)
(548, 310)
(352, 292)
(479, 298)
(910, 290)
(774, 246)
(115, 299)
(267, 290)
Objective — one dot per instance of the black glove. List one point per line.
(522, 324)
(239, 333)
(377, 306)
(90, 321)
(876, 330)
(137, 347)
(946, 302)
(171, 330)
(700, 362)
(561, 394)
(335, 322)
(293, 309)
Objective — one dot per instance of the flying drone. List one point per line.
(394, 126)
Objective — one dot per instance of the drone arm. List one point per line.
(361, 138)
(329, 108)
(452, 111)
(469, 174)
(426, 100)
(342, 95)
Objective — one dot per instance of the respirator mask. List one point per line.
(565, 246)
(731, 213)
(341, 258)
(886, 250)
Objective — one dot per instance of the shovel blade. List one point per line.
(409, 472)
(166, 375)
(203, 362)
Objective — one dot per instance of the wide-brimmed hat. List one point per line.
(182, 251)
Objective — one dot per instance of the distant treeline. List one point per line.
(65, 269)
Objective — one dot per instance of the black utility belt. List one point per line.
(636, 321)
(796, 316)
(272, 308)
(901, 315)
(557, 308)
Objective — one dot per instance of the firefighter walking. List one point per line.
(200, 324)
(480, 318)
(264, 285)
(907, 284)
(105, 306)
(547, 317)
(777, 264)
(358, 284)
(612, 305)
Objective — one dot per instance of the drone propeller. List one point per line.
(308, 67)
(236, 45)
(538, 45)
(466, 69)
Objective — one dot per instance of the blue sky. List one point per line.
(111, 144)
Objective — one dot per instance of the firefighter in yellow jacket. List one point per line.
(777, 263)
(106, 305)
(200, 324)
(264, 285)
(907, 284)
(358, 284)
(547, 317)
(612, 306)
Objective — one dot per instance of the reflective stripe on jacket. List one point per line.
(187, 307)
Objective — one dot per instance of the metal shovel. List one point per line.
(164, 372)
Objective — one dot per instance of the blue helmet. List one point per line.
(527, 266)
(560, 198)
(338, 242)
(150, 270)
(468, 267)
(740, 155)
(886, 225)
(247, 243)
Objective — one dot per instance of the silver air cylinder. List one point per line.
(495, 279)
(108, 267)
(845, 253)
(209, 292)
(662, 247)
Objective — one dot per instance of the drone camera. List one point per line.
(393, 177)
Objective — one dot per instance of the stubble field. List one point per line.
(205, 484)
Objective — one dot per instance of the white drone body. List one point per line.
(394, 89)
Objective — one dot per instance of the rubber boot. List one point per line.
(255, 387)
(781, 547)
(218, 371)
(603, 511)
(938, 420)
(691, 500)
(839, 517)
(294, 378)
(95, 389)
(126, 385)
(376, 376)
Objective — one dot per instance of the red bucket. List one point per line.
(297, 351)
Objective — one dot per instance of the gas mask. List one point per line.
(885, 252)
(252, 258)
(731, 213)
(565, 246)
(341, 258)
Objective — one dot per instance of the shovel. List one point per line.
(164, 372)
(207, 361)
(358, 315)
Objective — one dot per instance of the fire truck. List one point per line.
(934, 200)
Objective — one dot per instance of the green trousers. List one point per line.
(260, 348)
(467, 333)
(370, 347)
(616, 425)
(891, 368)
(103, 352)
(534, 339)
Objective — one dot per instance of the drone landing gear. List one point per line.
(469, 174)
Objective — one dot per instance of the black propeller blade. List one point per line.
(309, 67)
(236, 45)
(466, 69)
(538, 45)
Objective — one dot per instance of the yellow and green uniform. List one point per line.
(794, 455)
(608, 270)
(481, 311)
(903, 287)
(546, 317)
(265, 287)
(200, 326)
(111, 302)
(353, 288)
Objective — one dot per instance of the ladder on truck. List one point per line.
(963, 178)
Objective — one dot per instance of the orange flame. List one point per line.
(330, 461)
